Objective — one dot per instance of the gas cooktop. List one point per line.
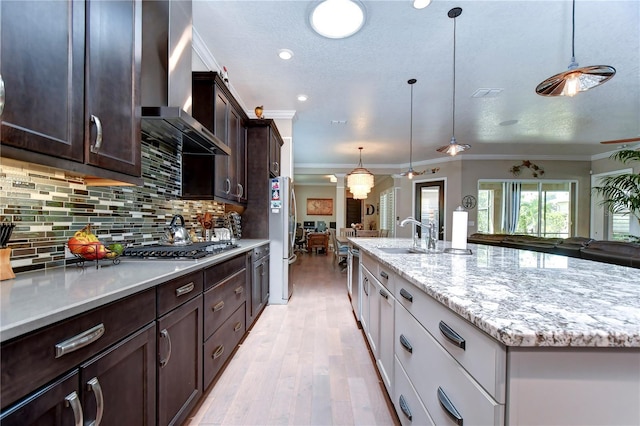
(192, 251)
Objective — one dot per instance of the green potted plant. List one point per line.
(621, 193)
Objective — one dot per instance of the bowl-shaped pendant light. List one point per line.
(575, 79)
(453, 148)
(360, 181)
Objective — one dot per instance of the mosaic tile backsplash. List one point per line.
(48, 206)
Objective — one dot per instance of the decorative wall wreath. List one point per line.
(536, 170)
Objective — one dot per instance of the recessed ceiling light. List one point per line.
(302, 98)
(285, 54)
(421, 4)
(337, 18)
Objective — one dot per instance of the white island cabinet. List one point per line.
(507, 337)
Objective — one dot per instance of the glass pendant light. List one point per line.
(575, 79)
(454, 147)
(360, 181)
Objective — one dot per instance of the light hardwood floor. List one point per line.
(305, 363)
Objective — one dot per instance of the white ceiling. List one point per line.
(506, 45)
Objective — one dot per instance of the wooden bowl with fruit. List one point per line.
(86, 246)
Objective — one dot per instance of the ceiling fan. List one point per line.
(621, 141)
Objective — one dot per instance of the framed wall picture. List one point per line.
(320, 206)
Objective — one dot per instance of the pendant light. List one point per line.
(575, 79)
(360, 181)
(411, 173)
(454, 147)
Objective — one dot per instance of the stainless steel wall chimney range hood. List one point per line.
(166, 79)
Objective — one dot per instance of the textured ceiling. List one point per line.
(362, 80)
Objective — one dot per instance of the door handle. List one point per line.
(187, 288)
(405, 294)
(96, 147)
(79, 341)
(406, 344)
(405, 408)
(448, 406)
(451, 335)
(73, 401)
(165, 334)
(94, 386)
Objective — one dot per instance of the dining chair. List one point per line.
(384, 233)
(347, 232)
(340, 251)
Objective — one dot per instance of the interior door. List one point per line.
(354, 211)
(430, 195)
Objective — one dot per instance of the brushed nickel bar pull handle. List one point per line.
(404, 293)
(219, 351)
(96, 147)
(187, 288)
(165, 334)
(79, 341)
(218, 306)
(448, 406)
(94, 385)
(227, 181)
(384, 294)
(384, 275)
(365, 285)
(405, 408)
(239, 290)
(451, 335)
(237, 327)
(240, 190)
(406, 344)
(73, 401)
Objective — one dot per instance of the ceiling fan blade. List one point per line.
(619, 141)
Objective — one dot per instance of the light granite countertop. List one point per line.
(36, 299)
(526, 298)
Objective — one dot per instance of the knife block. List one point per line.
(6, 272)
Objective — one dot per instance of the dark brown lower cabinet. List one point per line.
(179, 362)
(124, 379)
(49, 406)
(116, 387)
(220, 346)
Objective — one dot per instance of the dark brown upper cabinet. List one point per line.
(221, 177)
(71, 71)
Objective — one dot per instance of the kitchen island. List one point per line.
(502, 336)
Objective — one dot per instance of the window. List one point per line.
(387, 211)
(485, 210)
(544, 209)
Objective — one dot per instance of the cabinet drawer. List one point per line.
(221, 301)
(217, 273)
(176, 292)
(382, 273)
(30, 361)
(483, 357)
(219, 347)
(408, 406)
(435, 373)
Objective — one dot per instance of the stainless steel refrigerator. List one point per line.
(282, 233)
